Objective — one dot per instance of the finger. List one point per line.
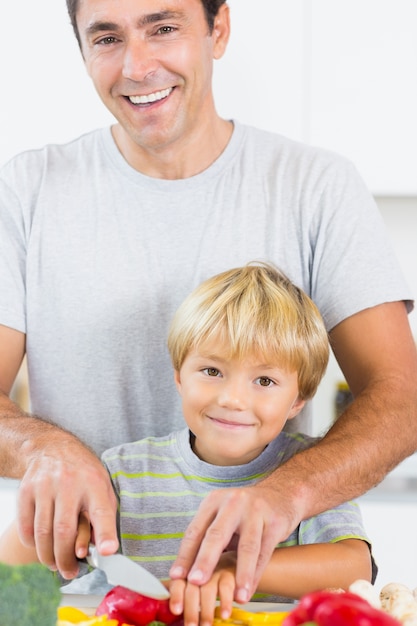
(190, 543)
(208, 597)
(35, 520)
(227, 584)
(102, 511)
(230, 511)
(257, 541)
(65, 531)
(176, 591)
(25, 508)
(44, 534)
(100, 508)
(83, 538)
(248, 551)
(191, 605)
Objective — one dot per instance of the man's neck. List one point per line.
(182, 159)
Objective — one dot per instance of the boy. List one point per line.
(248, 348)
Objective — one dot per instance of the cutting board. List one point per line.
(89, 603)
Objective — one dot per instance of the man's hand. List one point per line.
(247, 515)
(62, 484)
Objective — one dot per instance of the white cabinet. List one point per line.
(364, 88)
(338, 74)
(260, 79)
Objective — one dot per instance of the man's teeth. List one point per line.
(152, 97)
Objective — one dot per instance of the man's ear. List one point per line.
(296, 407)
(221, 31)
(177, 380)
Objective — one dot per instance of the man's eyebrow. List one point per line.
(150, 18)
(97, 27)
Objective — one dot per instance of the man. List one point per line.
(105, 236)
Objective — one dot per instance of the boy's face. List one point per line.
(234, 408)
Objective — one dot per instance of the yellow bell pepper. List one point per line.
(68, 616)
(250, 618)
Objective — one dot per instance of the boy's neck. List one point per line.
(194, 449)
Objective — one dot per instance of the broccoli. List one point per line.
(29, 595)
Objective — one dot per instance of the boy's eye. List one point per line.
(265, 382)
(211, 371)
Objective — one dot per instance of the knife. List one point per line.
(120, 570)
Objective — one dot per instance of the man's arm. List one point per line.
(60, 477)
(376, 352)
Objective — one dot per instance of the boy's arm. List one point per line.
(296, 570)
(12, 550)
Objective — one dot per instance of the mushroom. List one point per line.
(367, 591)
(399, 601)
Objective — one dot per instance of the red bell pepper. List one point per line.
(134, 609)
(340, 611)
(329, 608)
(305, 609)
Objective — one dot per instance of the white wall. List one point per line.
(400, 215)
(45, 93)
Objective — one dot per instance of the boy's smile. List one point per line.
(233, 406)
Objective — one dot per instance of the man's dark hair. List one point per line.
(211, 8)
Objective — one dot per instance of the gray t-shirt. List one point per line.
(95, 258)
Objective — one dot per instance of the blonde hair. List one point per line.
(256, 310)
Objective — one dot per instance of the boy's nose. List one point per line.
(233, 396)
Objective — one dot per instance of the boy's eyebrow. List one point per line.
(150, 18)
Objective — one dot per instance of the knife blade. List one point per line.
(120, 570)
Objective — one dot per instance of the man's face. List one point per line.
(151, 63)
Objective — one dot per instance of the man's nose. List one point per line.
(138, 60)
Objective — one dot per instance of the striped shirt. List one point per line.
(160, 484)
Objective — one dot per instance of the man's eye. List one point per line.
(211, 371)
(105, 41)
(166, 30)
(265, 382)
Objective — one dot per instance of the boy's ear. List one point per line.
(177, 380)
(296, 407)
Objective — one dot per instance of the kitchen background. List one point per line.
(337, 73)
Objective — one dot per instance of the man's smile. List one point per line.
(151, 97)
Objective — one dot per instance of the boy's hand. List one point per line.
(198, 603)
(84, 535)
